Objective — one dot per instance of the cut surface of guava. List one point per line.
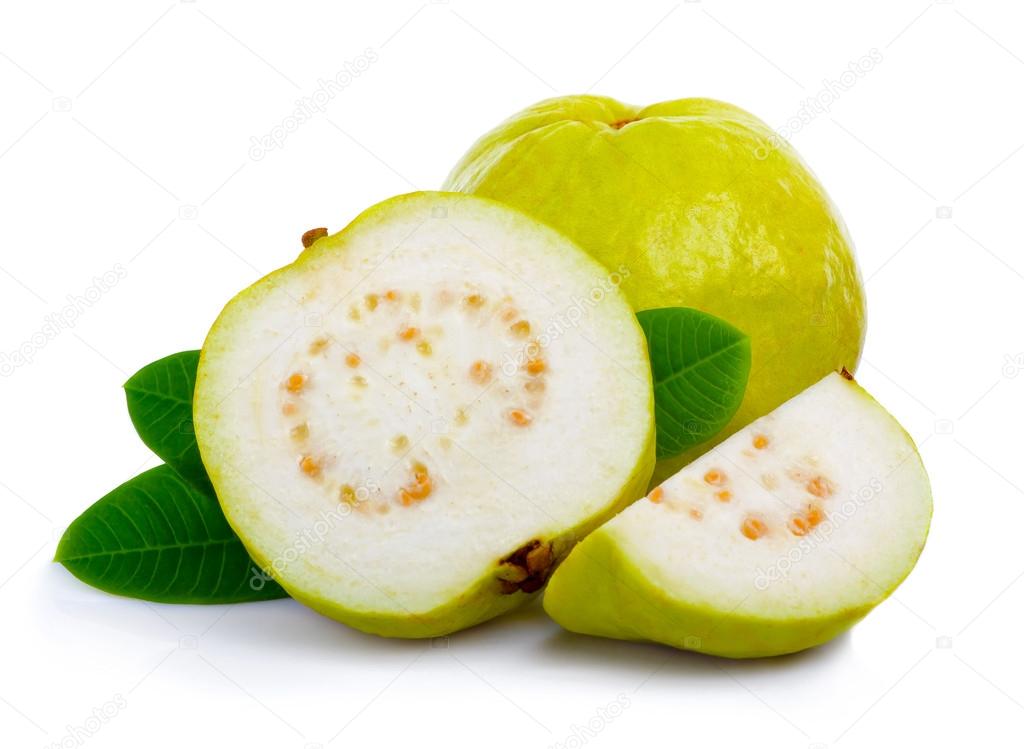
(411, 424)
(779, 538)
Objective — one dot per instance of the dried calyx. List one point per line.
(527, 568)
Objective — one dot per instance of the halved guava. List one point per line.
(780, 538)
(411, 424)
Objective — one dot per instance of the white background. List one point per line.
(125, 143)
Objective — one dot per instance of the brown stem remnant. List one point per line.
(847, 374)
(312, 235)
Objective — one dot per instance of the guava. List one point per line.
(780, 538)
(705, 207)
(411, 424)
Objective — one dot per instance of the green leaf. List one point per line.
(158, 538)
(700, 366)
(160, 406)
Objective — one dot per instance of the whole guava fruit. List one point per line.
(704, 206)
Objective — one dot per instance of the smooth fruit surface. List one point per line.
(705, 207)
(780, 538)
(411, 424)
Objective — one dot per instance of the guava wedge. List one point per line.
(780, 538)
(705, 207)
(408, 427)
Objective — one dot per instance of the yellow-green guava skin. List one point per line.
(705, 207)
(599, 591)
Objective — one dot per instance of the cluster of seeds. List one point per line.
(513, 327)
(754, 525)
(293, 385)
(481, 372)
